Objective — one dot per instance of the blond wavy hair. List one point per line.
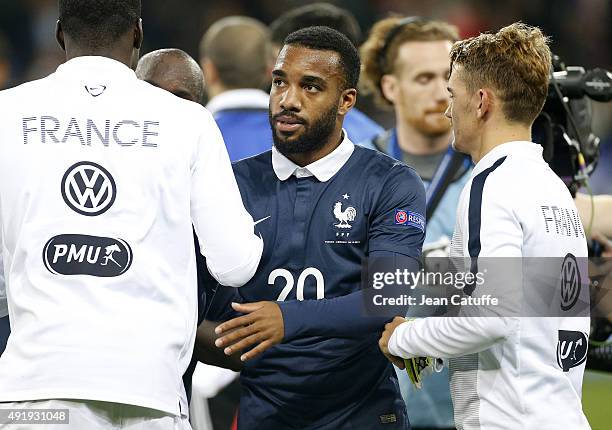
(373, 66)
(515, 62)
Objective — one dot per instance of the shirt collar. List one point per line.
(88, 66)
(519, 147)
(322, 169)
(246, 98)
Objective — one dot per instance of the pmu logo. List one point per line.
(571, 349)
(77, 254)
(570, 282)
(88, 188)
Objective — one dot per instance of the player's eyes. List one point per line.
(277, 82)
(312, 88)
(423, 80)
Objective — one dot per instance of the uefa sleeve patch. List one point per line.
(413, 219)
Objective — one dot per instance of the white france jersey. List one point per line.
(101, 178)
(511, 372)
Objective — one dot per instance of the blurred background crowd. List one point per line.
(580, 30)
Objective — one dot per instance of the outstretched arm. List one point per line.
(268, 323)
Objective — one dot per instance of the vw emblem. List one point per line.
(88, 188)
(570, 282)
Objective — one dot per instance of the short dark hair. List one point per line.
(316, 14)
(98, 23)
(241, 50)
(328, 39)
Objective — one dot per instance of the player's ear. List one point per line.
(389, 86)
(347, 101)
(59, 35)
(484, 103)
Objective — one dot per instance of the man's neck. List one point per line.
(214, 90)
(122, 57)
(499, 134)
(414, 142)
(333, 142)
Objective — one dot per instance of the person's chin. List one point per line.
(433, 127)
(459, 147)
(441, 121)
(438, 127)
(287, 136)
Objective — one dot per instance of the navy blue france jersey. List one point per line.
(316, 234)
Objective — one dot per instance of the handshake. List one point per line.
(416, 367)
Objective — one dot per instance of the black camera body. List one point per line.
(563, 127)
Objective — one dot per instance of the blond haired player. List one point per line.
(507, 372)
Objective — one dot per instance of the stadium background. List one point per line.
(581, 32)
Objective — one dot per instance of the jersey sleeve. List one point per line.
(495, 238)
(397, 220)
(343, 316)
(447, 337)
(223, 226)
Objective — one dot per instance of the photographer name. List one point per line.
(455, 300)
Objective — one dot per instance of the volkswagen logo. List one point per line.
(88, 188)
(570, 282)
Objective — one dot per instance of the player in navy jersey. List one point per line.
(321, 205)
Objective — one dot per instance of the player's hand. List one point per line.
(262, 325)
(383, 343)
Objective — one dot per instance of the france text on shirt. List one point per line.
(86, 131)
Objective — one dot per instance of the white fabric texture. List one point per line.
(101, 178)
(504, 369)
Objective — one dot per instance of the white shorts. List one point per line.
(89, 415)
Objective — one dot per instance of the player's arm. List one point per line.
(343, 316)
(268, 323)
(499, 235)
(222, 224)
(219, 310)
(442, 337)
(206, 352)
(599, 209)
